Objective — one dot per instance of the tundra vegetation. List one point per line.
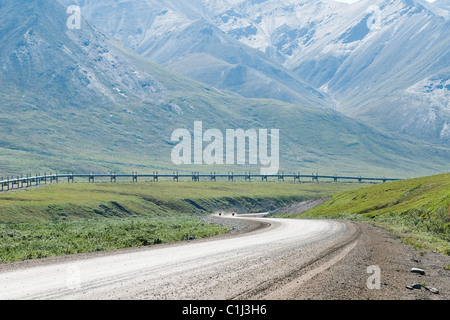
(416, 210)
(62, 219)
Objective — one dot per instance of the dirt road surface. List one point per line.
(278, 259)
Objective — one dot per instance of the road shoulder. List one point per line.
(348, 279)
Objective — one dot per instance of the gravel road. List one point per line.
(268, 259)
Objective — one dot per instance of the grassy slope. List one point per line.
(64, 219)
(417, 210)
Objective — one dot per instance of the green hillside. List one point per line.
(417, 210)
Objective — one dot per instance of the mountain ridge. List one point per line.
(77, 100)
(176, 34)
(361, 58)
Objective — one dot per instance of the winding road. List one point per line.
(269, 262)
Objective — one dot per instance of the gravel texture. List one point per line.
(262, 258)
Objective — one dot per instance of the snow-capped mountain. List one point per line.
(365, 56)
(181, 35)
(368, 59)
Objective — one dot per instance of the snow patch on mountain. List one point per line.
(433, 91)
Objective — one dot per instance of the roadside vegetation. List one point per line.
(22, 241)
(63, 219)
(415, 210)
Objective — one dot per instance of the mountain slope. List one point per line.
(181, 36)
(368, 56)
(383, 62)
(77, 100)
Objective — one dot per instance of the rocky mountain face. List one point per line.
(180, 35)
(57, 66)
(385, 62)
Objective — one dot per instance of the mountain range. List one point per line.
(384, 62)
(80, 100)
